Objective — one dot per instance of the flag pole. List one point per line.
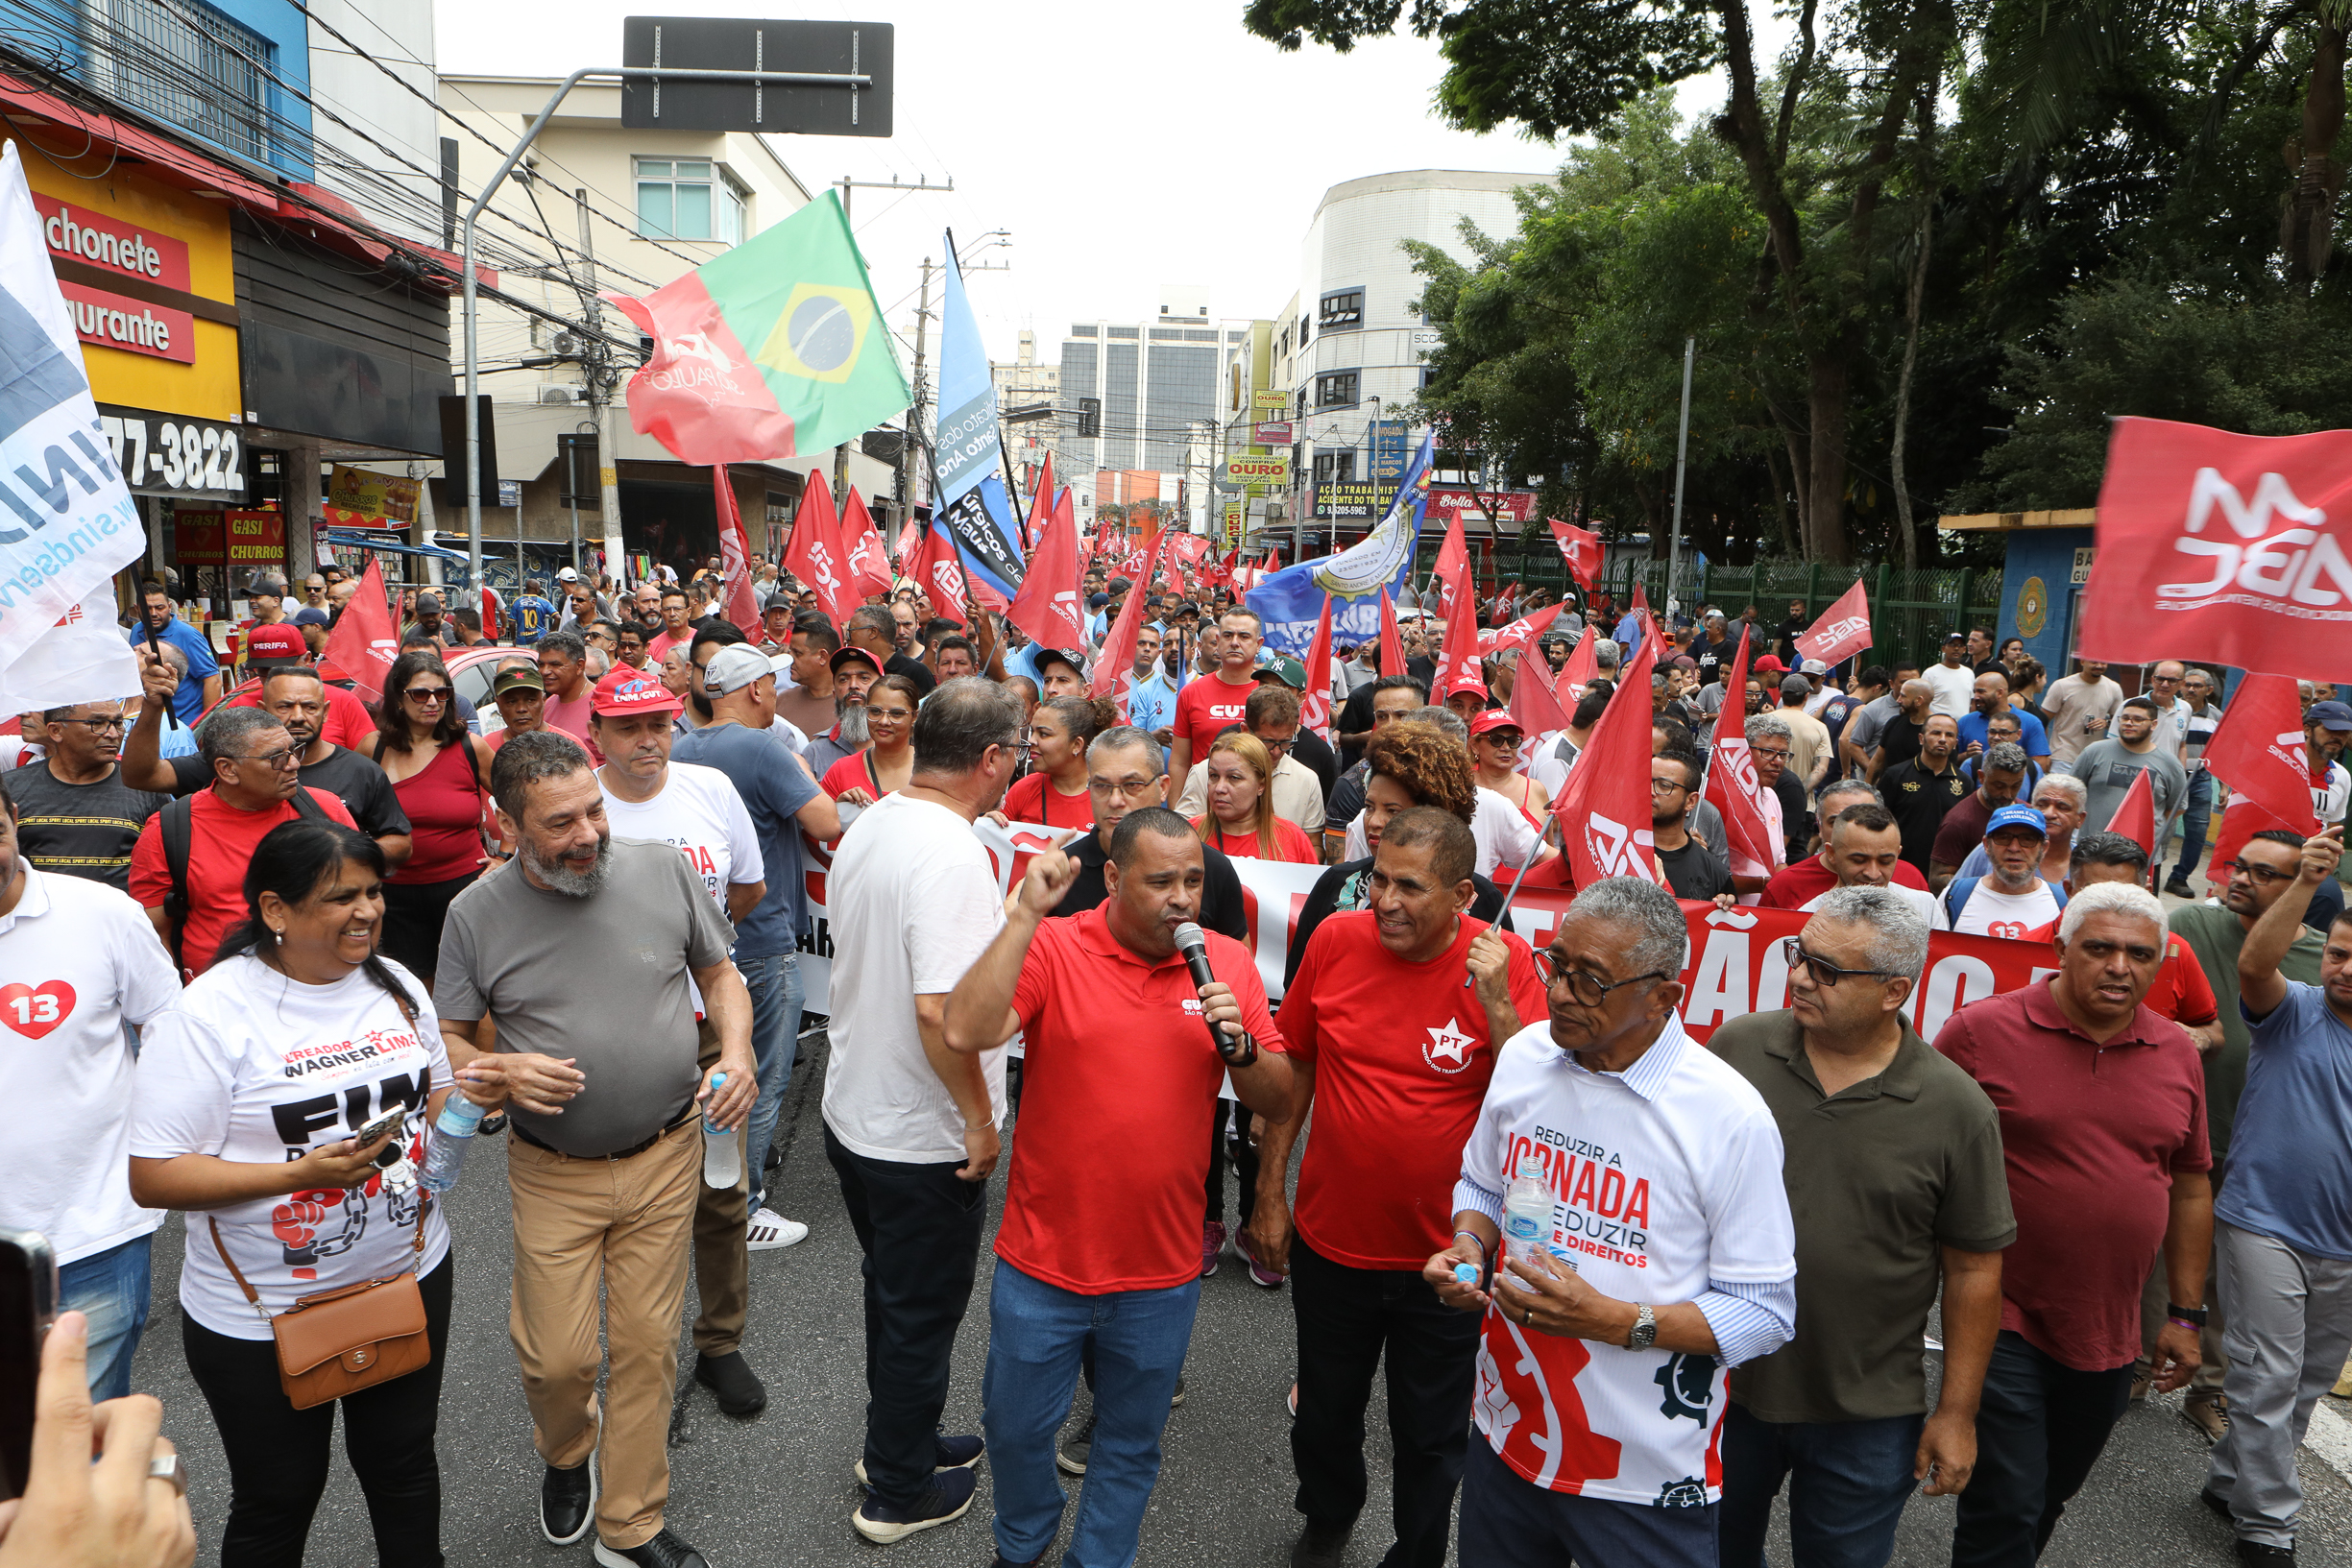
(1502, 914)
(1681, 459)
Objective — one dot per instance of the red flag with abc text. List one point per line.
(815, 555)
(363, 641)
(1604, 809)
(2258, 751)
(1047, 605)
(869, 569)
(2228, 548)
(1842, 631)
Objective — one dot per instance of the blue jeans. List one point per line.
(111, 1288)
(2039, 1429)
(1511, 1523)
(1848, 1481)
(776, 996)
(2196, 816)
(1035, 1332)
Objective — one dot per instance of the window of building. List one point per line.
(1336, 390)
(1119, 332)
(689, 198)
(1083, 330)
(1335, 468)
(191, 65)
(1342, 310)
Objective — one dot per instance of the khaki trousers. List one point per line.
(722, 1230)
(626, 1223)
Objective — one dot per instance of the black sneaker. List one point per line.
(730, 1377)
(948, 1452)
(1070, 1459)
(2255, 1555)
(2179, 888)
(567, 1502)
(1321, 1545)
(948, 1498)
(664, 1551)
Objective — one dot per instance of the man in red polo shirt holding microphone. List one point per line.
(1103, 1209)
(1393, 1047)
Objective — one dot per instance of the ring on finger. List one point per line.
(169, 1467)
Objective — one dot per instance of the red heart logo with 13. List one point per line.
(34, 1010)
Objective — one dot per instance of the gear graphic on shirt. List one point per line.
(1689, 1384)
(1689, 1492)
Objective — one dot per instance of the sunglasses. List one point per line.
(1825, 973)
(427, 693)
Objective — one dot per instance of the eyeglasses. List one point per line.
(1586, 988)
(1779, 753)
(1825, 973)
(427, 693)
(101, 725)
(282, 759)
(1667, 786)
(1277, 747)
(2265, 875)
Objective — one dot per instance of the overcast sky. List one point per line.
(1121, 148)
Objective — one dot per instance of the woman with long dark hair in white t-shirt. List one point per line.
(250, 1092)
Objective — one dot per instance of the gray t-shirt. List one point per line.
(1869, 722)
(602, 980)
(2106, 769)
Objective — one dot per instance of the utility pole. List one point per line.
(599, 403)
(907, 456)
(1681, 455)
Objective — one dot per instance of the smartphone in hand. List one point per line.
(28, 1306)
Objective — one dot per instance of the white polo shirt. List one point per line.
(1666, 1183)
(78, 960)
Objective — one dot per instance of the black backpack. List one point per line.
(176, 823)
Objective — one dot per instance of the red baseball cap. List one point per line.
(1493, 719)
(626, 691)
(281, 642)
(1769, 664)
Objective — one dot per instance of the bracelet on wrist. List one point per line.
(2188, 1317)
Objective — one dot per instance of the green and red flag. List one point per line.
(770, 350)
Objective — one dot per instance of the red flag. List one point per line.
(1503, 603)
(1451, 573)
(1583, 666)
(1842, 631)
(735, 555)
(1392, 640)
(1323, 673)
(363, 641)
(1604, 809)
(2223, 547)
(869, 569)
(1535, 703)
(1525, 630)
(909, 539)
(1757, 846)
(1458, 669)
(1046, 605)
(1040, 505)
(937, 571)
(2258, 751)
(1114, 667)
(1580, 548)
(814, 554)
(2135, 815)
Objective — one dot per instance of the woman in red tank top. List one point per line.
(441, 773)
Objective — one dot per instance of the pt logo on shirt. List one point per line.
(34, 1010)
(1448, 1050)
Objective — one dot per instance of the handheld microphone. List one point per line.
(1195, 948)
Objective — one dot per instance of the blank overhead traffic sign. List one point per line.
(816, 108)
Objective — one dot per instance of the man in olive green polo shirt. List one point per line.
(2262, 874)
(1895, 1176)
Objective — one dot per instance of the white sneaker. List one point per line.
(770, 1230)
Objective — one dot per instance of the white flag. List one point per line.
(67, 523)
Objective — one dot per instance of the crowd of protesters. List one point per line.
(1627, 1287)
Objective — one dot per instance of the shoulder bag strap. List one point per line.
(425, 1199)
(234, 1272)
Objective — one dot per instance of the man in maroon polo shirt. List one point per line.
(2103, 1125)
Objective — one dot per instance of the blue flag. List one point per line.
(1292, 600)
(967, 457)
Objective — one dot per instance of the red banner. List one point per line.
(1734, 788)
(2258, 751)
(1114, 666)
(1391, 640)
(815, 554)
(1322, 676)
(1736, 967)
(1458, 664)
(364, 642)
(1047, 604)
(742, 605)
(869, 569)
(1580, 548)
(1842, 631)
(1604, 809)
(2224, 549)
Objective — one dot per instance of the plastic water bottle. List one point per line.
(722, 1163)
(444, 1147)
(1527, 1209)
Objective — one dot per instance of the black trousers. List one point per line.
(1347, 1318)
(919, 1227)
(1245, 1161)
(2040, 1428)
(278, 1456)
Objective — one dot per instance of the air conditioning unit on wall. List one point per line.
(559, 395)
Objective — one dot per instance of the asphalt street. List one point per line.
(778, 1490)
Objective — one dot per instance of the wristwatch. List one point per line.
(1645, 1328)
(1241, 1053)
(2192, 1316)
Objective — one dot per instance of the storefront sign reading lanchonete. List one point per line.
(103, 316)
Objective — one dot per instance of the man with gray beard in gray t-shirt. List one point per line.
(581, 949)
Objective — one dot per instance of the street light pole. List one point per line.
(473, 217)
(1681, 456)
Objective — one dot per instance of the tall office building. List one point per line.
(1158, 383)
